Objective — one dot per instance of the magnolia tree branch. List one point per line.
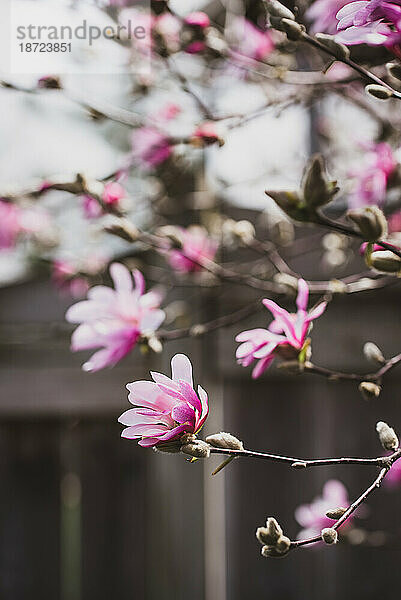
(338, 375)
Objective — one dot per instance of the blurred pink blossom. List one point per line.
(197, 246)
(114, 319)
(65, 278)
(393, 477)
(372, 177)
(322, 14)
(165, 408)
(206, 134)
(113, 193)
(10, 224)
(196, 23)
(250, 41)
(16, 220)
(150, 147)
(312, 517)
(285, 336)
(372, 22)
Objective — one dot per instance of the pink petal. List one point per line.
(100, 360)
(148, 394)
(283, 317)
(139, 282)
(182, 413)
(205, 406)
(142, 430)
(181, 368)
(303, 295)
(261, 366)
(317, 311)
(133, 416)
(121, 277)
(152, 320)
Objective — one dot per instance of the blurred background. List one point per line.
(85, 514)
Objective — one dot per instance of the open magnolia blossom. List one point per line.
(372, 22)
(285, 336)
(166, 408)
(312, 517)
(372, 178)
(114, 319)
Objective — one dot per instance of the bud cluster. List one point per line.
(274, 543)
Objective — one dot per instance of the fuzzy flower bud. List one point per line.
(329, 535)
(292, 29)
(280, 549)
(317, 189)
(394, 69)
(387, 436)
(50, 82)
(378, 91)
(373, 353)
(385, 261)
(197, 449)
(224, 440)
(293, 205)
(369, 390)
(276, 9)
(341, 51)
(335, 513)
(370, 221)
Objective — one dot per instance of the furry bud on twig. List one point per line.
(329, 535)
(378, 91)
(275, 544)
(197, 449)
(224, 440)
(370, 221)
(394, 69)
(373, 353)
(292, 29)
(385, 261)
(292, 204)
(369, 390)
(387, 436)
(279, 550)
(299, 464)
(335, 513)
(276, 9)
(341, 51)
(271, 533)
(317, 189)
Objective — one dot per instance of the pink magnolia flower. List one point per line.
(250, 42)
(165, 408)
(393, 477)
(150, 147)
(197, 246)
(67, 280)
(15, 220)
(285, 336)
(322, 14)
(372, 178)
(113, 193)
(114, 319)
(195, 25)
(312, 517)
(372, 22)
(10, 224)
